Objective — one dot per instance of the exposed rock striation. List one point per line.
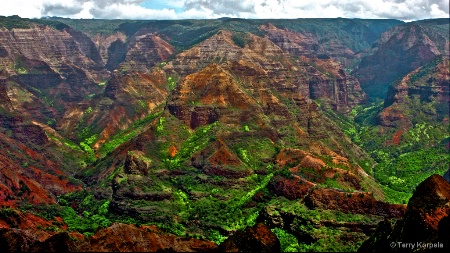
(145, 50)
(401, 50)
(425, 220)
(210, 95)
(258, 238)
(429, 85)
(116, 238)
(361, 203)
(264, 65)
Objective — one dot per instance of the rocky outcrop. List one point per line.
(121, 237)
(49, 70)
(210, 95)
(145, 50)
(309, 167)
(112, 48)
(258, 238)
(127, 97)
(352, 202)
(219, 160)
(307, 170)
(428, 84)
(425, 222)
(341, 39)
(401, 50)
(294, 43)
(43, 43)
(116, 238)
(136, 164)
(27, 174)
(291, 188)
(303, 226)
(343, 93)
(24, 131)
(264, 65)
(124, 191)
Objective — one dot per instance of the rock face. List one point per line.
(145, 50)
(135, 164)
(305, 39)
(429, 85)
(293, 42)
(112, 49)
(121, 237)
(25, 173)
(172, 142)
(81, 59)
(219, 160)
(49, 71)
(128, 97)
(307, 169)
(216, 94)
(262, 62)
(401, 50)
(116, 238)
(302, 226)
(258, 238)
(425, 220)
(362, 203)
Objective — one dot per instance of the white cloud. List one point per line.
(436, 11)
(181, 9)
(22, 8)
(131, 11)
(408, 9)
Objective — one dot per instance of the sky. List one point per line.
(406, 10)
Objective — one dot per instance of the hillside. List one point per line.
(401, 50)
(205, 129)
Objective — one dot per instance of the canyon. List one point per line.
(189, 134)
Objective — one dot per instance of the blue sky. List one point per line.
(161, 4)
(202, 9)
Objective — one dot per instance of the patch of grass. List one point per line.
(289, 242)
(196, 142)
(126, 135)
(90, 215)
(241, 39)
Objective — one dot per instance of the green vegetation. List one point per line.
(403, 157)
(172, 82)
(10, 216)
(426, 70)
(126, 135)
(21, 71)
(289, 242)
(407, 170)
(308, 223)
(241, 39)
(85, 223)
(90, 215)
(14, 22)
(89, 26)
(102, 83)
(230, 214)
(196, 141)
(254, 151)
(189, 190)
(88, 110)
